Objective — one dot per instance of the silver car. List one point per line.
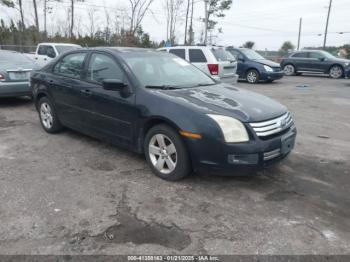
(15, 69)
(212, 60)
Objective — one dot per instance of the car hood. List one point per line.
(267, 62)
(341, 60)
(226, 100)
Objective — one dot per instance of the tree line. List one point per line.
(121, 26)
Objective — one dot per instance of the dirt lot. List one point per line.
(70, 194)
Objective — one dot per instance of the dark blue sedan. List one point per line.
(157, 104)
(254, 68)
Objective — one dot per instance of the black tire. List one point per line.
(183, 163)
(56, 125)
(339, 72)
(252, 76)
(289, 70)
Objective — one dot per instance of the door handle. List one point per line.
(86, 92)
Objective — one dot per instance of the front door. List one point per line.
(114, 115)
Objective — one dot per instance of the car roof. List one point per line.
(191, 46)
(66, 44)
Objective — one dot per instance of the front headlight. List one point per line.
(346, 64)
(232, 129)
(268, 69)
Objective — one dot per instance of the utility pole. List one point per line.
(187, 11)
(300, 22)
(326, 30)
(206, 22)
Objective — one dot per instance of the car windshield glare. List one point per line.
(251, 54)
(166, 70)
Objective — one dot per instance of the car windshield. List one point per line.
(13, 57)
(251, 54)
(164, 70)
(222, 55)
(65, 48)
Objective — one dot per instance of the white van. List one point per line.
(213, 60)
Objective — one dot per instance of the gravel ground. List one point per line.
(71, 194)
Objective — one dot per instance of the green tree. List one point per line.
(249, 44)
(7, 3)
(286, 47)
(216, 10)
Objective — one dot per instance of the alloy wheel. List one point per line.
(289, 70)
(46, 115)
(252, 77)
(162, 153)
(336, 72)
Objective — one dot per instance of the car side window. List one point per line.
(300, 55)
(315, 55)
(50, 52)
(42, 50)
(197, 56)
(70, 65)
(103, 67)
(178, 52)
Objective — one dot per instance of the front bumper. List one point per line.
(13, 89)
(220, 158)
(271, 75)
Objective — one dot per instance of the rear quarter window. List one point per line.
(300, 55)
(197, 56)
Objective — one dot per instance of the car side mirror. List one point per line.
(113, 85)
(322, 59)
(241, 59)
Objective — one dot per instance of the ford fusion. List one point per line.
(160, 105)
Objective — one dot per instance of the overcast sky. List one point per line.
(266, 22)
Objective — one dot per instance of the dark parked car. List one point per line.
(160, 105)
(253, 67)
(15, 71)
(316, 61)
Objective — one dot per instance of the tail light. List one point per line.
(2, 77)
(213, 69)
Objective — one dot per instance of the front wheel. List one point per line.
(253, 76)
(166, 153)
(336, 72)
(48, 116)
(289, 70)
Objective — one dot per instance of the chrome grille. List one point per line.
(270, 127)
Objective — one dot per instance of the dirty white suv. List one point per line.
(213, 60)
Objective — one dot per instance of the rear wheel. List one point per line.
(166, 153)
(336, 72)
(48, 116)
(252, 76)
(289, 70)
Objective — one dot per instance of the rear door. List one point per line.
(197, 58)
(301, 61)
(65, 88)
(227, 62)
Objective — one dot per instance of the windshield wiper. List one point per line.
(163, 87)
